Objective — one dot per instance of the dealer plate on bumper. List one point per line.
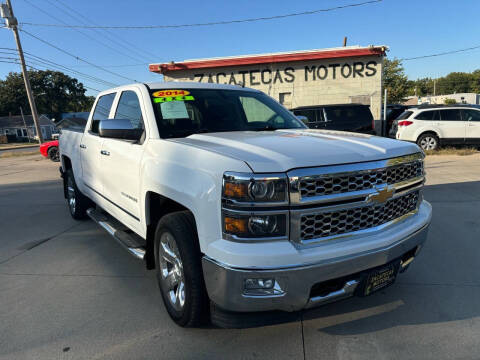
(380, 278)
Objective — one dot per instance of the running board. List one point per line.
(130, 242)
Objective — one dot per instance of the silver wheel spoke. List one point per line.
(171, 269)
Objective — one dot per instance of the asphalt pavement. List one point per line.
(69, 291)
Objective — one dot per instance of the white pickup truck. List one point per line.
(237, 204)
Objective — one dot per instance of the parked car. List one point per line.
(431, 126)
(393, 112)
(236, 203)
(50, 149)
(344, 117)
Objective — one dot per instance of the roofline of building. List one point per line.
(334, 53)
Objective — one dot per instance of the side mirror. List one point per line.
(303, 119)
(119, 129)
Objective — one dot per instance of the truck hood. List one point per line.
(283, 150)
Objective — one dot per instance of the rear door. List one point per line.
(91, 145)
(451, 125)
(472, 133)
(120, 161)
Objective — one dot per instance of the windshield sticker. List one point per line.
(174, 110)
(173, 98)
(170, 93)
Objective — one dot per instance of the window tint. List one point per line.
(450, 115)
(129, 108)
(404, 115)
(308, 113)
(102, 110)
(348, 114)
(471, 115)
(428, 115)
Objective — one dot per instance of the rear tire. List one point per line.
(53, 154)
(179, 269)
(78, 204)
(428, 141)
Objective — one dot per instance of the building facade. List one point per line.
(302, 78)
(23, 128)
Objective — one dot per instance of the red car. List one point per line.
(50, 150)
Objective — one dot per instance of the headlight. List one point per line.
(255, 188)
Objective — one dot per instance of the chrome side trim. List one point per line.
(345, 292)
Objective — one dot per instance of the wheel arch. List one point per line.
(428, 132)
(156, 207)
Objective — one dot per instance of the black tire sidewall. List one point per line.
(186, 240)
(50, 155)
(82, 203)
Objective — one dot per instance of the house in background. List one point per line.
(18, 128)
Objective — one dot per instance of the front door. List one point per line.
(90, 148)
(472, 117)
(452, 126)
(120, 161)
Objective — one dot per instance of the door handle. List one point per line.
(105, 152)
(83, 146)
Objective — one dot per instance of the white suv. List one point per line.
(434, 125)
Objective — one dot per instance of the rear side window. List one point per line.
(102, 110)
(405, 115)
(450, 115)
(348, 114)
(129, 108)
(471, 115)
(308, 113)
(428, 115)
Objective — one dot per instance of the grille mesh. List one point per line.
(336, 184)
(325, 224)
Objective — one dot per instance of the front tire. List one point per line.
(179, 269)
(428, 141)
(78, 204)
(53, 154)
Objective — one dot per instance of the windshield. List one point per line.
(183, 112)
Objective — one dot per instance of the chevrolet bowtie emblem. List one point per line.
(381, 195)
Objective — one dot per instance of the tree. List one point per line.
(395, 81)
(54, 93)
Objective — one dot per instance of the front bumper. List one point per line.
(225, 285)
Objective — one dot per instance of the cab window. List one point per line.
(102, 110)
(129, 108)
(428, 115)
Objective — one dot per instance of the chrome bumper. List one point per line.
(225, 285)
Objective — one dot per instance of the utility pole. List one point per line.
(11, 22)
(434, 87)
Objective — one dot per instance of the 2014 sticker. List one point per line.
(170, 93)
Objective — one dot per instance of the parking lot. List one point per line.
(69, 291)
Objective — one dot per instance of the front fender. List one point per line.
(193, 178)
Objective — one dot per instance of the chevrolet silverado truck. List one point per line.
(237, 205)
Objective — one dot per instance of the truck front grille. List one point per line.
(318, 185)
(324, 224)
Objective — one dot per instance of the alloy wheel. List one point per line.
(71, 196)
(171, 269)
(428, 143)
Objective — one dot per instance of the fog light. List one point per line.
(262, 287)
(259, 283)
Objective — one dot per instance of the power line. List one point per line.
(441, 53)
(311, 12)
(34, 68)
(80, 31)
(64, 68)
(106, 33)
(76, 57)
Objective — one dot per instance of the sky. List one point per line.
(408, 27)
